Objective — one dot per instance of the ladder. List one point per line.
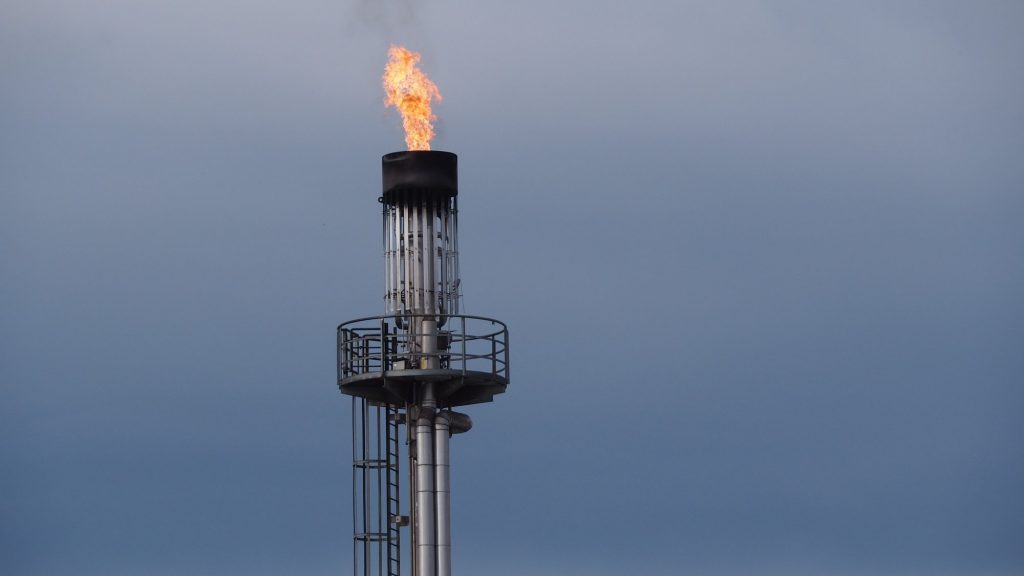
(395, 519)
(376, 488)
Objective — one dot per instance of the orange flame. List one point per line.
(407, 88)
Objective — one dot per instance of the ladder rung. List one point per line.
(375, 463)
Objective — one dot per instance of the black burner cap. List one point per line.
(416, 172)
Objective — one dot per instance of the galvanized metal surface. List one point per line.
(442, 490)
(423, 514)
(421, 258)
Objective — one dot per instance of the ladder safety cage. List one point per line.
(376, 497)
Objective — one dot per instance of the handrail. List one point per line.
(466, 343)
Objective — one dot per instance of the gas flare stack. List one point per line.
(408, 368)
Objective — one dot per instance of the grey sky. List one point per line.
(762, 264)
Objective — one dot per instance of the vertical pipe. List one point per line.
(418, 256)
(428, 344)
(421, 225)
(390, 260)
(407, 252)
(426, 545)
(421, 255)
(449, 264)
(397, 259)
(421, 260)
(446, 245)
(386, 242)
(456, 277)
(442, 488)
(414, 276)
(442, 259)
(428, 258)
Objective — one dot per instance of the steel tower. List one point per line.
(408, 368)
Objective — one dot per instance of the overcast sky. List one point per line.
(762, 263)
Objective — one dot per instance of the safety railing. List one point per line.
(460, 343)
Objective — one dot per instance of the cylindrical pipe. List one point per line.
(456, 277)
(407, 260)
(442, 488)
(426, 544)
(424, 255)
(428, 258)
(440, 253)
(387, 259)
(417, 258)
(428, 344)
(398, 281)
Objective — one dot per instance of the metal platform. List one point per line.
(380, 358)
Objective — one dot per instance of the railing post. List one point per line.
(344, 352)
(365, 353)
(462, 323)
(383, 344)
